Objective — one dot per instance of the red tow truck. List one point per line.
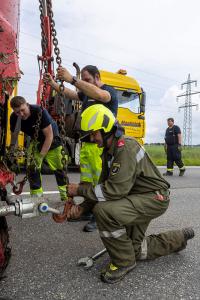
(9, 76)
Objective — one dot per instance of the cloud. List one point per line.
(169, 107)
(156, 41)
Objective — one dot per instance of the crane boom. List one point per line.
(9, 75)
(9, 40)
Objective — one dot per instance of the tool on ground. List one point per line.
(88, 262)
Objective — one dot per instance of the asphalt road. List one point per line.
(45, 254)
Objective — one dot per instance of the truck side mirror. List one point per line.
(143, 102)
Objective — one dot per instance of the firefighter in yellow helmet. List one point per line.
(131, 194)
(90, 90)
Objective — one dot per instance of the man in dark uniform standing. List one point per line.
(132, 193)
(173, 148)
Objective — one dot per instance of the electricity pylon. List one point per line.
(187, 122)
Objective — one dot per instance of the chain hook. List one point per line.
(62, 217)
(16, 190)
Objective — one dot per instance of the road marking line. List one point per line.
(45, 193)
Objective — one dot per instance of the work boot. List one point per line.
(84, 217)
(182, 171)
(113, 274)
(188, 233)
(168, 173)
(90, 226)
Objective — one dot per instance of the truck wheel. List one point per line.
(5, 251)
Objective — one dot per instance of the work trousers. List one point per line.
(174, 155)
(54, 160)
(122, 225)
(90, 163)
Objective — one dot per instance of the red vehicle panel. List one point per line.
(9, 37)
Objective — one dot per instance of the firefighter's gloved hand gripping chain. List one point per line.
(70, 211)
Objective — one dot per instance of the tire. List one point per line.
(5, 251)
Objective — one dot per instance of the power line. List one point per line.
(27, 83)
(145, 83)
(187, 122)
(112, 61)
(164, 111)
(30, 54)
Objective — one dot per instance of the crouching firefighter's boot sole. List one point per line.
(188, 233)
(113, 274)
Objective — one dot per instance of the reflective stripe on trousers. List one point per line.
(54, 160)
(143, 250)
(114, 234)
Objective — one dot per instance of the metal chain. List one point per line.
(39, 116)
(44, 39)
(44, 48)
(61, 87)
(4, 58)
(1, 129)
(11, 156)
(54, 33)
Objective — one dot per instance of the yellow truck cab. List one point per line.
(131, 97)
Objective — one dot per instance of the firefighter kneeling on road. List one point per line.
(131, 194)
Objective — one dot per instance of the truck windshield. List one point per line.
(129, 99)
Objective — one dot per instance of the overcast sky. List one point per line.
(156, 41)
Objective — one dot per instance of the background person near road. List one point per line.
(48, 146)
(90, 91)
(132, 193)
(173, 148)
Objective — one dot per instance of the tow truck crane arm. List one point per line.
(9, 75)
(9, 35)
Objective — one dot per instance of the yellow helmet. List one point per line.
(97, 117)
